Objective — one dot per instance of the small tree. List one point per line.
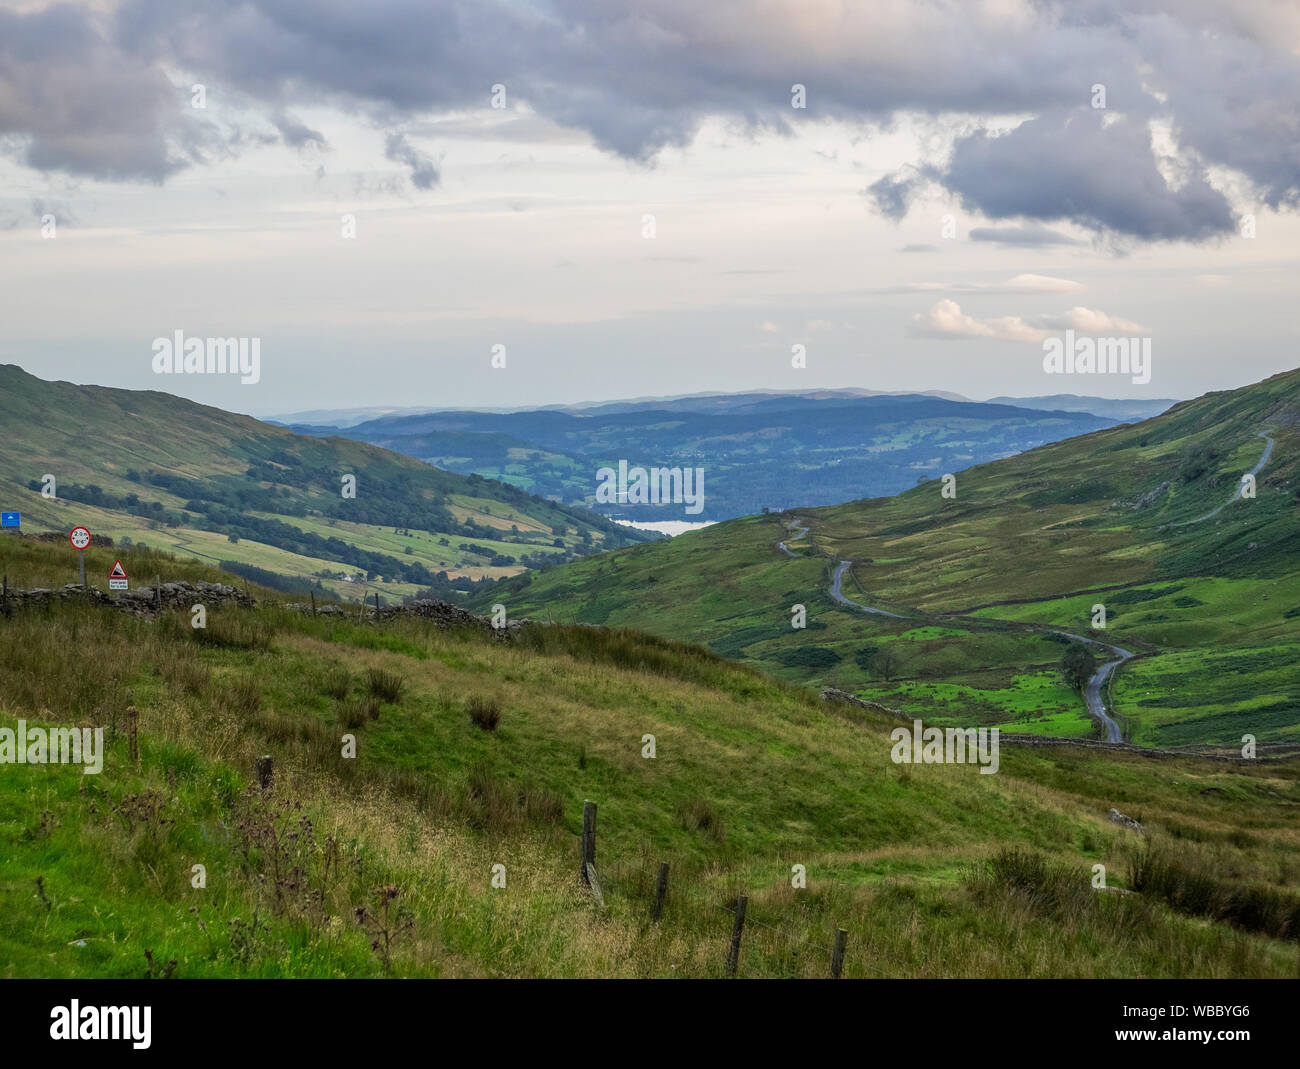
(1078, 665)
(886, 663)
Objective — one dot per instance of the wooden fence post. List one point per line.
(588, 839)
(837, 955)
(594, 884)
(133, 732)
(733, 955)
(264, 771)
(661, 891)
(313, 603)
(157, 592)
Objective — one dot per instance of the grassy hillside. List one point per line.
(164, 472)
(1111, 518)
(383, 863)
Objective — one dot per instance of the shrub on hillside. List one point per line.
(1192, 885)
(357, 711)
(485, 712)
(809, 657)
(385, 685)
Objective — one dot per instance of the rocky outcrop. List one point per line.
(1116, 817)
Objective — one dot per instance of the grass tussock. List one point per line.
(484, 711)
(384, 684)
(1195, 885)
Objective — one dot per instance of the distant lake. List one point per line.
(669, 527)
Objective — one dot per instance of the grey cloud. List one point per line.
(1022, 235)
(1101, 176)
(69, 101)
(296, 134)
(84, 92)
(424, 175)
(893, 194)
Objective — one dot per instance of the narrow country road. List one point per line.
(1096, 703)
(795, 525)
(1268, 452)
(1093, 698)
(838, 595)
(1093, 694)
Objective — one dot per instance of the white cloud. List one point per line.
(946, 320)
(1091, 321)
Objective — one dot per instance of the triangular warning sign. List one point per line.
(118, 571)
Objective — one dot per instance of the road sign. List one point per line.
(79, 537)
(117, 577)
(11, 519)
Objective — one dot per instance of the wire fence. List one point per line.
(777, 938)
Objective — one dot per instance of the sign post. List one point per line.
(11, 519)
(80, 539)
(117, 577)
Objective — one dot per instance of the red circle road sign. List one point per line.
(79, 537)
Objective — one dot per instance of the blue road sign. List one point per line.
(10, 519)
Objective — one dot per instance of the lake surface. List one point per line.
(670, 528)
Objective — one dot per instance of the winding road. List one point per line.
(838, 595)
(794, 525)
(1268, 452)
(1093, 694)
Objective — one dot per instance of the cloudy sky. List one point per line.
(626, 197)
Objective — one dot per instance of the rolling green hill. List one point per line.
(154, 469)
(1139, 518)
(445, 843)
(758, 450)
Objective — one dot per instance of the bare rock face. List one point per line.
(1116, 817)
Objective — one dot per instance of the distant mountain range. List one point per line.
(1125, 411)
(758, 450)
